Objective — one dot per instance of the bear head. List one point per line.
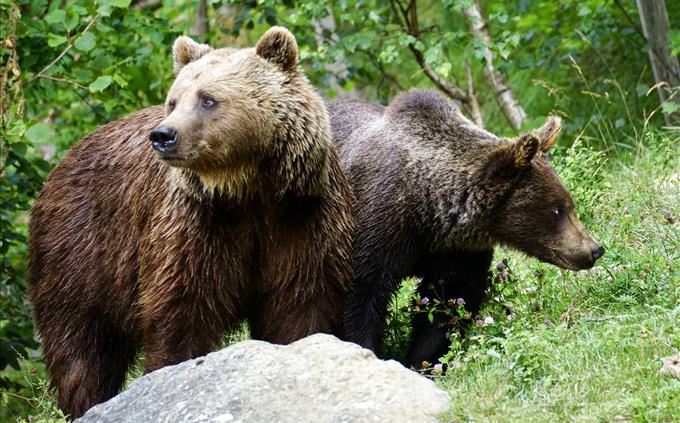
(244, 120)
(534, 211)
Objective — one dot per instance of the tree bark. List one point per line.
(505, 97)
(201, 27)
(654, 18)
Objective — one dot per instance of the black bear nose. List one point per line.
(163, 138)
(598, 252)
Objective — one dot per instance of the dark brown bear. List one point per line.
(433, 195)
(242, 212)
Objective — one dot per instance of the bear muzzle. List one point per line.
(163, 139)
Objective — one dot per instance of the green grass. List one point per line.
(579, 347)
(587, 346)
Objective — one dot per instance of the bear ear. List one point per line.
(524, 150)
(508, 160)
(185, 50)
(278, 46)
(549, 132)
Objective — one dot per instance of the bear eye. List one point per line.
(171, 105)
(207, 102)
(558, 211)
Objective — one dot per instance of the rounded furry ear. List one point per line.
(185, 50)
(278, 46)
(549, 132)
(524, 149)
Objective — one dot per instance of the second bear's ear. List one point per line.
(278, 46)
(185, 50)
(524, 150)
(507, 161)
(549, 132)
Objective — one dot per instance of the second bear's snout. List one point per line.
(163, 138)
(597, 252)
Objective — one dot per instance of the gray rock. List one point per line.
(317, 379)
(671, 366)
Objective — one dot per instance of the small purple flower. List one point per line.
(423, 301)
(460, 301)
(488, 320)
(504, 276)
(500, 266)
(438, 368)
(479, 322)
(548, 322)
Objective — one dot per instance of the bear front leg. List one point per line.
(282, 319)
(179, 329)
(183, 317)
(377, 279)
(446, 277)
(367, 306)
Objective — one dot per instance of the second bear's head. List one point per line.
(243, 117)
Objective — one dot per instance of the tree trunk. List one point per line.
(666, 70)
(505, 97)
(201, 26)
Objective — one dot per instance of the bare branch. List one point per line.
(441, 83)
(505, 97)
(68, 81)
(407, 18)
(473, 105)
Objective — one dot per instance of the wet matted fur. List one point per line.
(248, 217)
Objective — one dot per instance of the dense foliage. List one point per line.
(69, 66)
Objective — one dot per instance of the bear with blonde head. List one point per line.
(163, 231)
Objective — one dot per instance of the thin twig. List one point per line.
(473, 105)
(11, 394)
(63, 53)
(68, 81)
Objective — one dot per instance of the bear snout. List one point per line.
(597, 252)
(163, 138)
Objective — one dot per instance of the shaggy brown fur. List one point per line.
(433, 195)
(247, 217)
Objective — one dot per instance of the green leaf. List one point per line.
(120, 81)
(55, 16)
(668, 107)
(86, 42)
(104, 10)
(71, 22)
(54, 40)
(123, 4)
(101, 83)
(674, 40)
(39, 133)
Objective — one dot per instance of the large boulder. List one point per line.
(317, 379)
